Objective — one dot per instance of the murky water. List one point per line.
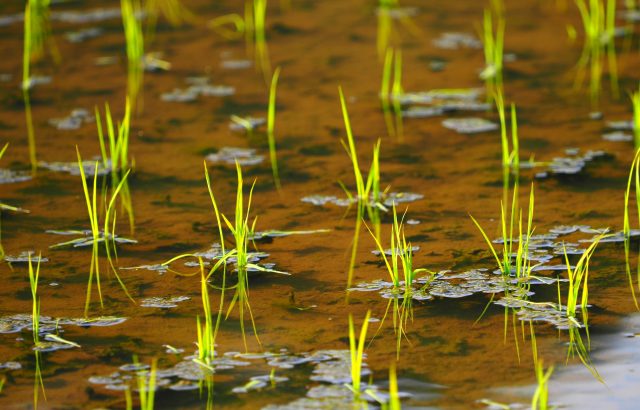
(449, 358)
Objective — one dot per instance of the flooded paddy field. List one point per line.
(365, 261)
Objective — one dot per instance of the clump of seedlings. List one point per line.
(241, 230)
(107, 235)
(403, 275)
(598, 21)
(368, 195)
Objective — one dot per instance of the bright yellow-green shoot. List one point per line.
(634, 174)
(356, 350)
(400, 263)
(578, 293)
(394, 396)
(540, 400)
(493, 42)
(117, 157)
(366, 192)
(206, 333)
(368, 195)
(578, 297)
(131, 9)
(147, 386)
(510, 154)
(271, 120)
(34, 275)
(635, 100)
(2, 254)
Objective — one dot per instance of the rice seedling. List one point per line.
(400, 259)
(368, 195)
(117, 158)
(147, 386)
(2, 254)
(394, 396)
(131, 9)
(206, 333)
(3, 380)
(493, 42)
(510, 152)
(34, 275)
(540, 400)
(598, 20)
(241, 230)
(91, 201)
(635, 100)
(577, 299)
(28, 47)
(634, 174)
(356, 350)
(521, 266)
(271, 119)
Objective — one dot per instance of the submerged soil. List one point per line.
(449, 358)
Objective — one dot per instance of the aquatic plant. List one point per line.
(207, 332)
(147, 386)
(510, 152)
(131, 9)
(634, 174)
(400, 259)
(2, 254)
(117, 158)
(577, 299)
(521, 266)
(242, 232)
(91, 201)
(368, 194)
(493, 42)
(271, 119)
(356, 350)
(540, 400)
(394, 397)
(635, 100)
(598, 21)
(34, 275)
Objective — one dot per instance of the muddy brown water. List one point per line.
(447, 359)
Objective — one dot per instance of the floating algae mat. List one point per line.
(319, 205)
